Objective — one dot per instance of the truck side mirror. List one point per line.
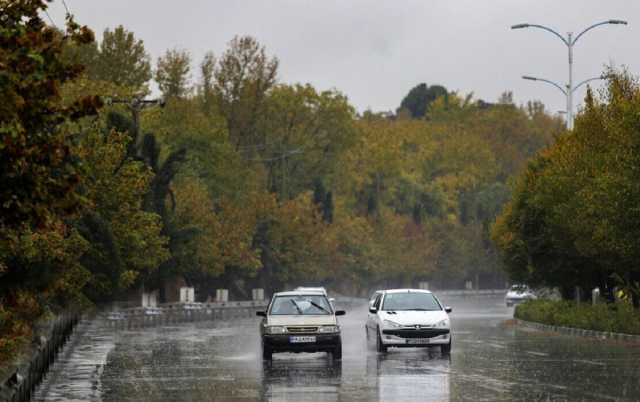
(340, 312)
(372, 310)
(448, 309)
(261, 313)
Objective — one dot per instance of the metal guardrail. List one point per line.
(19, 386)
(481, 292)
(174, 313)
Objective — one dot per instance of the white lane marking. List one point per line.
(589, 362)
(537, 353)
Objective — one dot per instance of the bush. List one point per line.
(612, 317)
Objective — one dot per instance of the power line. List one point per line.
(50, 19)
(65, 7)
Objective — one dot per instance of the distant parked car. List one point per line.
(518, 294)
(408, 318)
(300, 321)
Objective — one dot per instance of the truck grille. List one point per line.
(302, 330)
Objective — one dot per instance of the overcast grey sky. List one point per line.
(374, 51)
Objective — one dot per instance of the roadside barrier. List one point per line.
(175, 313)
(19, 386)
(482, 292)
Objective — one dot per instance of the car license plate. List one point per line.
(418, 341)
(302, 339)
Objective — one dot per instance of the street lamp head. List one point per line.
(528, 77)
(617, 22)
(520, 26)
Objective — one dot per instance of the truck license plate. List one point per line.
(418, 341)
(302, 339)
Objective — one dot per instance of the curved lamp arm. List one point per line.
(612, 22)
(602, 77)
(562, 38)
(527, 77)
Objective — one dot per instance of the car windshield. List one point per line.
(519, 288)
(411, 301)
(300, 305)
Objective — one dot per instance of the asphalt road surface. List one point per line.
(492, 360)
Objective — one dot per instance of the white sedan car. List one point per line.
(408, 318)
(518, 294)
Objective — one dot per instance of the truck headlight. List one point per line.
(275, 330)
(328, 329)
(391, 324)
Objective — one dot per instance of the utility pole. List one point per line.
(135, 106)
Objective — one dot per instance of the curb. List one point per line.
(578, 331)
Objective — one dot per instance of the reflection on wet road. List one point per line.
(491, 360)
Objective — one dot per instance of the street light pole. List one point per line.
(568, 94)
(570, 85)
(569, 41)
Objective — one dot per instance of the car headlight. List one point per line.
(326, 329)
(275, 330)
(391, 324)
(442, 324)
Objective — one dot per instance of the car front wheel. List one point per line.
(337, 352)
(446, 349)
(267, 353)
(380, 347)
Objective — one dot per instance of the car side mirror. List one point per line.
(261, 313)
(373, 310)
(448, 309)
(340, 312)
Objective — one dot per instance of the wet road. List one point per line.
(491, 360)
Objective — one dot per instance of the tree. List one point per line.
(243, 77)
(126, 245)
(207, 70)
(305, 132)
(419, 98)
(572, 221)
(122, 60)
(39, 172)
(172, 73)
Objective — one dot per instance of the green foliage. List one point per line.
(243, 77)
(618, 317)
(120, 59)
(72, 228)
(172, 73)
(35, 185)
(572, 221)
(417, 101)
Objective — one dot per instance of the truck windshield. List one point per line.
(300, 305)
(410, 301)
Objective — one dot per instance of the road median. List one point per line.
(619, 321)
